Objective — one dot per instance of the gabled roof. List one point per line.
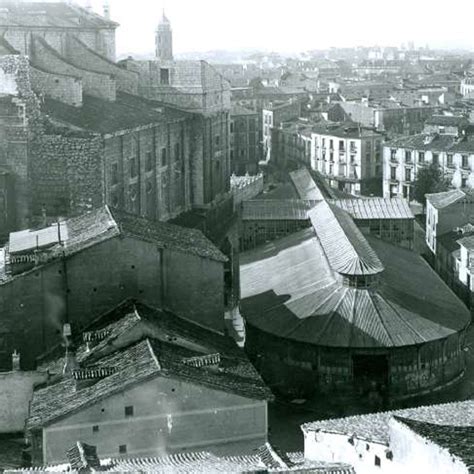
(141, 343)
(375, 426)
(375, 208)
(445, 199)
(305, 185)
(276, 209)
(346, 249)
(457, 440)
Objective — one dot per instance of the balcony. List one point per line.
(393, 160)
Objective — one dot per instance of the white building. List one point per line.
(467, 87)
(348, 156)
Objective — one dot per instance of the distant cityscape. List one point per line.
(232, 261)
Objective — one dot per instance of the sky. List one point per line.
(291, 25)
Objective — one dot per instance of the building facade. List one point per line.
(349, 157)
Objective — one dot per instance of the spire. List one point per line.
(164, 39)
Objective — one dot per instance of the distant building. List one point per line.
(348, 156)
(329, 310)
(142, 381)
(403, 157)
(62, 273)
(244, 140)
(273, 115)
(436, 438)
(467, 88)
(164, 40)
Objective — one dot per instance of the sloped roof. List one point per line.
(346, 249)
(375, 426)
(50, 15)
(305, 185)
(445, 199)
(458, 440)
(276, 209)
(375, 208)
(447, 120)
(143, 343)
(418, 142)
(289, 290)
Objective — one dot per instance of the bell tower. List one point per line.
(164, 40)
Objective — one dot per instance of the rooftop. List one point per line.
(423, 141)
(446, 198)
(135, 343)
(458, 440)
(447, 121)
(305, 185)
(103, 116)
(344, 130)
(375, 426)
(375, 208)
(290, 290)
(240, 110)
(276, 209)
(51, 14)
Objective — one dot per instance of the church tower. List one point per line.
(164, 40)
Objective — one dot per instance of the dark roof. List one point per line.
(423, 142)
(375, 208)
(375, 426)
(104, 116)
(51, 15)
(345, 130)
(458, 440)
(276, 209)
(447, 120)
(289, 290)
(343, 244)
(139, 343)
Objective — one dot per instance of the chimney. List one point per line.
(106, 10)
(70, 363)
(15, 361)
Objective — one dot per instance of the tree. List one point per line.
(429, 179)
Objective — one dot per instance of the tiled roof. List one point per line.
(142, 343)
(167, 236)
(276, 209)
(103, 116)
(375, 426)
(445, 199)
(305, 185)
(51, 14)
(447, 120)
(207, 463)
(375, 208)
(423, 142)
(289, 290)
(458, 440)
(346, 130)
(346, 249)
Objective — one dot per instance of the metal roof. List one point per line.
(26, 240)
(276, 209)
(305, 185)
(289, 290)
(445, 199)
(346, 249)
(376, 208)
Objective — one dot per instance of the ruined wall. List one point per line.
(94, 83)
(67, 89)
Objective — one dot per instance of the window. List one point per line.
(464, 161)
(231, 127)
(129, 410)
(164, 159)
(123, 449)
(435, 159)
(114, 173)
(331, 144)
(408, 175)
(421, 157)
(149, 161)
(341, 144)
(323, 142)
(133, 167)
(393, 154)
(450, 159)
(408, 156)
(164, 76)
(393, 173)
(377, 461)
(95, 429)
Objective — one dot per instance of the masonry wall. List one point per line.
(67, 89)
(82, 56)
(16, 390)
(244, 144)
(94, 83)
(34, 305)
(170, 415)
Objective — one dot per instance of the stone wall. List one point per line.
(79, 54)
(94, 83)
(246, 188)
(65, 88)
